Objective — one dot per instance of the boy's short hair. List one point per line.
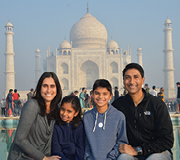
(102, 83)
(153, 87)
(134, 66)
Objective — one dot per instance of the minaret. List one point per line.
(139, 56)
(9, 66)
(38, 66)
(169, 90)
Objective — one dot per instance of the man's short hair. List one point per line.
(32, 89)
(83, 88)
(178, 83)
(10, 90)
(146, 84)
(102, 83)
(153, 87)
(134, 66)
(116, 87)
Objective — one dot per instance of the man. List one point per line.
(82, 98)
(116, 93)
(86, 96)
(9, 101)
(153, 92)
(16, 102)
(146, 88)
(30, 94)
(178, 97)
(149, 127)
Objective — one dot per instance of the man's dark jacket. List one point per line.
(148, 125)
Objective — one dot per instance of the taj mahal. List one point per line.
(88, 56)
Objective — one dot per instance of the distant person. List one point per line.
(91, 103)
(3, 106)
(153, 92)
(68, 140)
(125, 92)
(10, 101)
(178, 97)
(34, 132)
(16, 102)
(75, 93)
(116, 93)
(146, 88)
(82, 98)
(161, 94)
(30, 94)
(86, 96)
(104, 125)
(148, 123)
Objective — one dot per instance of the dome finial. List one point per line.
(87, 7)
(8, 20)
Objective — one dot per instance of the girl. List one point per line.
(35, 128)
(68, 140)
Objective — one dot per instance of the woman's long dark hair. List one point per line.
(75, 104)
(54, 103)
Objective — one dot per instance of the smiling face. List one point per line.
(101, 97)
(133, 81)
(48, 89)
(67, 113)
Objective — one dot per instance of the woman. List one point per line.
(35, 128)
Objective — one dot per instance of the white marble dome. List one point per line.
(9, 24)
(38, 51)
(65, 44)
(139, 49)
(167, 21)
(88, 32)
(112, 44)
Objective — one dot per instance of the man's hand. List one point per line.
(128, 149)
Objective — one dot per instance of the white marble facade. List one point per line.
(88, 57)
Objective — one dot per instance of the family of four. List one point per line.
(135, 127)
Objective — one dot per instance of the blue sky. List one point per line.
(43, 23)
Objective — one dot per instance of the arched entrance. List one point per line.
(89, 72)
(114, 82)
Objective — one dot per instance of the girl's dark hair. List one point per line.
(54, 103)
(75, 104)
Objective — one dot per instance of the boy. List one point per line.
(104, 125)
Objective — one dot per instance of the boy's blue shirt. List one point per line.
(104, 132)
